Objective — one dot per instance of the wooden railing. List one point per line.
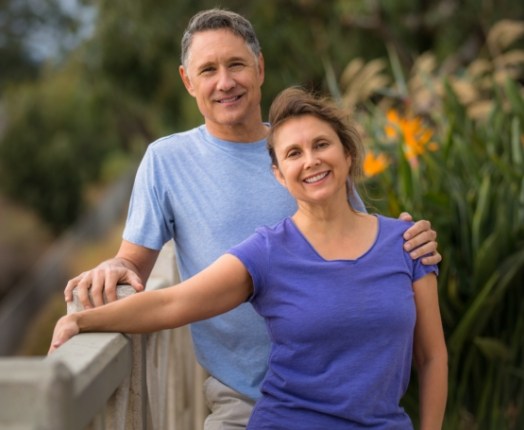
(111, 381)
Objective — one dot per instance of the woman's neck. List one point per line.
(338, 234)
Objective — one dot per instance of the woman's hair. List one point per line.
(296, 102)
(216, 19)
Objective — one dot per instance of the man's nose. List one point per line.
(225, 80)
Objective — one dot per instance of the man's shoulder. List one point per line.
(171, 141)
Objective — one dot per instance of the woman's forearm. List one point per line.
(433, 377)
(140, 313)
(222, 286)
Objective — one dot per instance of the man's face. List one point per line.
(225, 77)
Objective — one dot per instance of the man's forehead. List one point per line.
(214, 44)
(223, 34)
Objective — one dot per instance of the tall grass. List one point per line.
(449, 147)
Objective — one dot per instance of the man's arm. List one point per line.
(421, 240)
(132, 265)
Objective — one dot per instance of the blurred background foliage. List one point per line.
(447, 143)
(100, 79)
(436, 87)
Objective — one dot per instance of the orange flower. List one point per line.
(394, 124)
(375, 164)
(416, 137)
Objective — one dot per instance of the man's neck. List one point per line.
(239, 133)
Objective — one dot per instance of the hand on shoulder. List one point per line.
(421, 241)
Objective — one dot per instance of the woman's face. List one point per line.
(312, 163)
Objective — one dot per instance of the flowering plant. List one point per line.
(448, 145)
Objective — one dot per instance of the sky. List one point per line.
(47, 42)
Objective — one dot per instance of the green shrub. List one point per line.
(449, 147)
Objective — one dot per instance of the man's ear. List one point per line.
(279, 176)
(261, 68)
(186, 81)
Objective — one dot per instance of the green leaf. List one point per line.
(516, 145)
(514, 94)
(493, 349)
(481, 212)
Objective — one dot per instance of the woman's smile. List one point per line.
(316, 178)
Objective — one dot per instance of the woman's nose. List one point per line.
(312, 159)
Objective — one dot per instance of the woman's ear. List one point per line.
(278, 175)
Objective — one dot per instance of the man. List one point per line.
(208, 189)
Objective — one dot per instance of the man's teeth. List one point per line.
(316, 178)
(231, 99)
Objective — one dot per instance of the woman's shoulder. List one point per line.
(392, 227)
(393, 222)
(277, 229)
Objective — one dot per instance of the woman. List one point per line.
(346, 308)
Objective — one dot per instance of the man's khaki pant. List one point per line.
(229, 410)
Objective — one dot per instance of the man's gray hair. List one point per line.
(216, 19)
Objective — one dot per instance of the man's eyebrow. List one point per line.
(205, 65)
(242, 59)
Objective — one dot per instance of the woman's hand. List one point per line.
(65, 329)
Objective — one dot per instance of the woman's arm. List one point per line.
(219, 288)
(430, 354)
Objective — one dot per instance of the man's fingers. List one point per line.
(82, 291)
(111, 280)
(419, 234)
(98, 286)
(405, 216)
(71, 285)
(434, 258)
(428, 248)
(135, 281)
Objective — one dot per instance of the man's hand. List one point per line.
(101, 280)
(421, 240)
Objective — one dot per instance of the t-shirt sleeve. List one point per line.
(420, 270)
(253, 253)
(148, 223)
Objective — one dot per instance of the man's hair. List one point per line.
(296, 102)
(216, 19)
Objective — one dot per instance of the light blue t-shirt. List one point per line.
(208, 195)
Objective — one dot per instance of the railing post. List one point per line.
(127, 408)
(35, 394)
(164, 388)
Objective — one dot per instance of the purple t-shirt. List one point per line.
(341, 330)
